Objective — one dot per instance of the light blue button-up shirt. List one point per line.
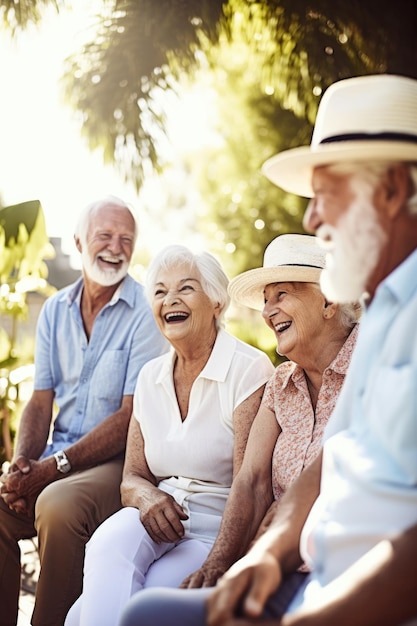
(369, 476)
(90, 377)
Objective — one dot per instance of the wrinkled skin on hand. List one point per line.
(161, 516)
(206, 576)
(247, 585)
(23, 483)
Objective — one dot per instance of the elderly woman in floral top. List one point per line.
(318, 338)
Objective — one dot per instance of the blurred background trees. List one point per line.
(263, 66)
(249, 75)
(24, 246)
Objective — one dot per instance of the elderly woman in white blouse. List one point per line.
(193, 409)
(317, 337)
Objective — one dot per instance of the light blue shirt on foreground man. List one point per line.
(91, 376)
(370, 449)
(352, 514)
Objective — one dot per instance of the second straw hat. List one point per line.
(288, 258)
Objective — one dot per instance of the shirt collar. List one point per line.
(126, 291)
(339, 364)
(221, 357)
(402, 282)
(217, 365)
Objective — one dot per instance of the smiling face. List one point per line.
(294, 311)
(181, 307)
(108, 247)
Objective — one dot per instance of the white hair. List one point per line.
(213, 279)
(83, 223)
(348, 313)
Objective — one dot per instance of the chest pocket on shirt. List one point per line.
(392, 411)
(109, 374)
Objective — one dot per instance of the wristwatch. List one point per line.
(62, 463)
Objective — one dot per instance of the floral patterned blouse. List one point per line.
(286, 394)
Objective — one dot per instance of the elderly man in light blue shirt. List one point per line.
(352, 514)
(92, 339)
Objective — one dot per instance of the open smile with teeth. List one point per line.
(176, 316)
(279, 328)
(111, 260)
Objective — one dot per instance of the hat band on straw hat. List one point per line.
(318, 267)
(372, 136)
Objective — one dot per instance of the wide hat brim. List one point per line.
(292, 169)
(248, 288)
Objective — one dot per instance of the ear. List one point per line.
(78, 243)
(329, 309)
(395, 189)
(217, 310)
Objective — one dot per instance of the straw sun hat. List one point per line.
(288, 258)
(359, 119)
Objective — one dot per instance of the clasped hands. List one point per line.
(22, 484)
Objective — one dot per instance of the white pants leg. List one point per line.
(171, 569)
(118, 557)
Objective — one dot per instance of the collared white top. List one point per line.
(193, 459)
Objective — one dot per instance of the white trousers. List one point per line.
(121, 559)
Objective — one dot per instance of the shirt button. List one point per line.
(328, 372)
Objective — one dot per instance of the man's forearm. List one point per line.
(32, 434)
(104, 442)
(282, 539)
(378, 590)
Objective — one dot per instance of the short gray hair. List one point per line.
(213, 279)
(348, 313)
(81, 228)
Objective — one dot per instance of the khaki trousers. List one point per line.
(67, 513)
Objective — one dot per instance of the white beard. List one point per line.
(104, 277)
(355, 248)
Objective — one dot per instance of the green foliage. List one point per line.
(244, 211)
(249, 326)
(117, 81)
(19, 14)
(24, 242)
(23, 247)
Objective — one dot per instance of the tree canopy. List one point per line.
(142, 47)
(267, 62)
(18, 14)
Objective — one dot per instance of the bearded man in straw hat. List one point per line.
(352, 515)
